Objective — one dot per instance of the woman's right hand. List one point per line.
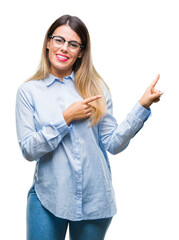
(79, 110)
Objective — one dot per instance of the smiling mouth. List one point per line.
(62, 58)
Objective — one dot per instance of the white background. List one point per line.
(132, 41)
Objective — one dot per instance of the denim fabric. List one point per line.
(72, 177)
(43, 225)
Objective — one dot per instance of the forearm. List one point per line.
(37, 144)
(123, 134)
(117, 137)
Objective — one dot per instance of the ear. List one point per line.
(80, 54)
(48, 44)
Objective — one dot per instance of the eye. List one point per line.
(73, 45)
(59, 40)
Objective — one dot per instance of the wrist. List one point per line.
(144, 104)
(67, 117)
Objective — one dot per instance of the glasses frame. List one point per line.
(72, 41)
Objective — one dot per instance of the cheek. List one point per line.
(76, 57)
(50, 55)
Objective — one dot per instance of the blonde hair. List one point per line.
(87, 81)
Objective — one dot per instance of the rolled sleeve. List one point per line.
(140, 112)
(61, 126)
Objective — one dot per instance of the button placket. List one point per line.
(78, 175)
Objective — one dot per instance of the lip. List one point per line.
(63, 57)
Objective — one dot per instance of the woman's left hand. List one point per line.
(151, 95)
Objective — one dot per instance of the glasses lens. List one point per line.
(58, 42)
(73, 46)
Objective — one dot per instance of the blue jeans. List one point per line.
(43, 225)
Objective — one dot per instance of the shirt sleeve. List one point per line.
(115, 138)
(34, 144)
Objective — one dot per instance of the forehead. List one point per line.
(66, 32)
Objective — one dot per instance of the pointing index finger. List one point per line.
(155, 81)
(91, 99)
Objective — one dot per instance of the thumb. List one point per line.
(156, 95)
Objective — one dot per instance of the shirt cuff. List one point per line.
(141, 112)
(61, 125)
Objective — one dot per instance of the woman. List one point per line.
(65, 123)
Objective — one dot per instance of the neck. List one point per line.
(61, 74)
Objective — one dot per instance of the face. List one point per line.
(61, 58)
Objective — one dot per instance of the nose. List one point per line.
(65, 47)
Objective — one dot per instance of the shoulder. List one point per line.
(27, 90)
(29, 86)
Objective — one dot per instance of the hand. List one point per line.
(79, 110)
(151, 95)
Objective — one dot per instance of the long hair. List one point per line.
(87, 81)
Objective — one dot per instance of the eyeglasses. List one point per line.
(59, 41)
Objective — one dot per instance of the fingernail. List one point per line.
(161, 93)
(100, 96)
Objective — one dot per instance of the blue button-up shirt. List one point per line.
(72, 177)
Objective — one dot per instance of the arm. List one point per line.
(35, 144)
(115, 138)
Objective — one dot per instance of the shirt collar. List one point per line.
(51, 79)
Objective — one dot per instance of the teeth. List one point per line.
(62, 57)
